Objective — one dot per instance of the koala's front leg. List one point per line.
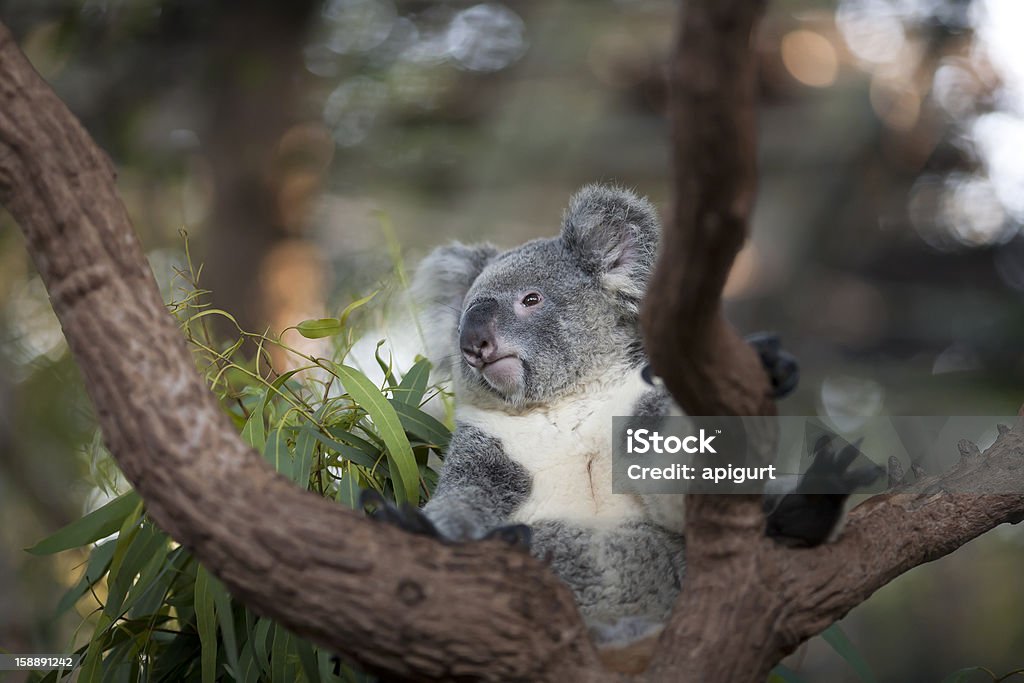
(811, 513)
(478, 490)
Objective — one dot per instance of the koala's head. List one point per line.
(535, 322)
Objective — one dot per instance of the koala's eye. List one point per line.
(531, 299)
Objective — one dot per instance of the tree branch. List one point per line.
(747, 602)
(708, 368)
(392, 602)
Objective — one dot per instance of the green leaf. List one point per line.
(136, 544)
(358, 303)
(247, 662)
(150, 583)
(259, 644)
(254, 432)
(90, 670)
(326, 666)
(429, 477)
(307, 659)
(414, 384)
(94, 526)
(348, 490)
(835, 637)
(95, 569)
(226, 619)
(116, 666)
(206, 625)
(386, 366)
(103, 636)
(305, 448)
(385, 419)
(305, 445)
(279, 669)
(421, 425)
(374, 451)
(276, 451)
(356, 455)
(318, 328)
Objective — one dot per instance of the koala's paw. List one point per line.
(518, 536)
(810, 513)
(781, 366)
(406, 517)
(830, 471)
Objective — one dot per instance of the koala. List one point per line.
(543, 346)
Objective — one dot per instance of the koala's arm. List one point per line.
(811, 513)
(479, 487)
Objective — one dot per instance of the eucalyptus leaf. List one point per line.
(385, 419)
(319, 328)
(279, 659)
(95, 569)
(421, 425)
(307, 659)
(226, 620)
(356, 455)
(259, 644)
(254, 432)
(348, 490)
(358, 303)
(206, 625)
(135, 546)
(96, 525)
(414, 383)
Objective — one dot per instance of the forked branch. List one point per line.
(747, 602)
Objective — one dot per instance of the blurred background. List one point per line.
(307, 146)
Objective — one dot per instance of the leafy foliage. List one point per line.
(158, 614)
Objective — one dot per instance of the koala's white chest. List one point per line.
(567, 450)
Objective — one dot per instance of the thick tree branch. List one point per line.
(704, 363)
(747, 602)
(892, 533)
(393, 602)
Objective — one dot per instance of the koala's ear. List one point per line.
(438, 289)
(613, 234)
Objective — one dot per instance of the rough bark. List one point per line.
(407, 606)
(390, 601)
(747, 602)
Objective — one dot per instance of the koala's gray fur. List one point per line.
(535, 393)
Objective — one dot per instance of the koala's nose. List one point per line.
(478, 337)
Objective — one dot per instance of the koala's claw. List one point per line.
(781, 366)
(406, 517)
(411, 519)
(830, 471)
(808, 515)
(516, 535)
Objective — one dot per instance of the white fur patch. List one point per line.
(567, 449)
